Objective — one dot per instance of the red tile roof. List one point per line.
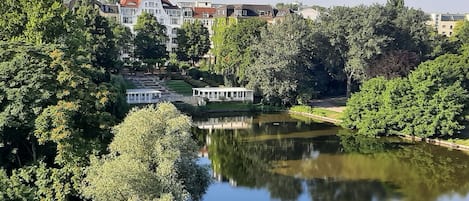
(200, 11)
(130, 3)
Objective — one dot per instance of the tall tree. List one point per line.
(152, 157)
(357, 36)
(236, 52)
(283, 61)
(193, 41)
(51, 111)
(123, 38)
(150, 41)
(99, 36)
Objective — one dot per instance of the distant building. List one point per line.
(309, 13)
(108, 10)
(105, 10)
(166, 13)
(246, 11)
(194, 3)
(444, 24)
(201, 11)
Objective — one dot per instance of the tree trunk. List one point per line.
(33, 150)
(349, 86)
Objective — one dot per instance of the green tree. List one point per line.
(52, 111)
(24, 69)
(236, 52)
(430, 102)
(123, 39)
(150, 41)
(42, 21)
(193, 41)
(282, 67)
(357, 36)
(99, 36)
(152, 156)
(360, 37)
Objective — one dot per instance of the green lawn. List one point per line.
(180, 87)
(460, 141)
(317, 111)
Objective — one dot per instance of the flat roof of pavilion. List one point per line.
(143, 91)
(216, 89)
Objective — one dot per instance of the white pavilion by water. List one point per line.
(218, 94)
(138, 96)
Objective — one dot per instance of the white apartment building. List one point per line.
(166, 13)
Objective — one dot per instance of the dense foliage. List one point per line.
(283, 62)
(150, 40)
(193, 41)
(430, 102)
(57, 104)
(343, 48)
(152, 156)
(235, 54)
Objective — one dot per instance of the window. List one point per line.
(187, 13)
(174, 31)
(151, 4)
(443, 26)
(127, 20)
(450, 27)
(261, 13)
(245, 12)
(174, 21)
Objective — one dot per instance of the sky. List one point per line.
(429, 6)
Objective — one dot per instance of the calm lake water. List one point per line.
(283, 157)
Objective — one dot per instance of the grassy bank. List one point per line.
(319, 111)
(464, 142)
(180, 87)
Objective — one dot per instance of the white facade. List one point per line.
(166, 14)
(218, 94)
(195, 3)
(140, 96)
(310, 13)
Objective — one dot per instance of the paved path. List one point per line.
(333, 104)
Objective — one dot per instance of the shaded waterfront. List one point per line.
(279, 157)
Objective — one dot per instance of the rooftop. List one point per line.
(130, 3)
(222, 89)
(200, 11)
(143, 91)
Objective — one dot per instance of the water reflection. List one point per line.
(298, 160)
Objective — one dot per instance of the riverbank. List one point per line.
(331, 117)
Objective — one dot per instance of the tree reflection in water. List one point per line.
(290, 159)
